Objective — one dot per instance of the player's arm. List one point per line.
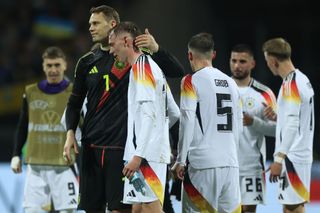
(270, 105)
(289, 130)
(187, 119)
(265, 127)
(145, 96)
(169, 64)
(20, 136)
(263, 124)
(77, 96)
(74, 107)
(146, 113)
(188, 105)
(238, 127)
(173, 109)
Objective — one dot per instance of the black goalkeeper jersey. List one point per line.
(105, 84)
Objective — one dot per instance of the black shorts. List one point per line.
(101, 179)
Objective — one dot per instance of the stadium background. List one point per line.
(29, 26)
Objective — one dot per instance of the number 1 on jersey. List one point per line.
(106, 77)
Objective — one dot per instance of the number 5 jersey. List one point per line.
(211, 119)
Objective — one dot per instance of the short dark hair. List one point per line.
(278, 48)
(53, 52)
(128, 27)
(202, 43)
(109, 12)
(242, 48)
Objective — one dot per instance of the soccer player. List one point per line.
(104, 81)
(49, 177)
(295, 128)
(251, 154)
(210, 123)
(147, 151)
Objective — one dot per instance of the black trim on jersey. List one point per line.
(311, 113)
(199, 116)
(261, 161)
(166, 100)
(134, 139)
(74, 169)
(252, 85)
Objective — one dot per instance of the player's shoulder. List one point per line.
(145, 63)
(69, 87)
(31, 86)
(88, 59)
(299, 76)
(90, 56)
(187, 79)
(257, 85)
(302, 82)
(144, 59)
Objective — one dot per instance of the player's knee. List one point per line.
(248, 208)
(293, 208)
(136, 208)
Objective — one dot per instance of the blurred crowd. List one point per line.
(29, 26)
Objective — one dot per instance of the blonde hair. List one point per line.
(278, 48)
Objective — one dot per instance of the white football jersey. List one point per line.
(148, 125)
(252, 147)
(295, 121)
(210, 120)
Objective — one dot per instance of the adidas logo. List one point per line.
(258, 198)
(280, 197)
(73, 201)
(131, 194)
(93, 70)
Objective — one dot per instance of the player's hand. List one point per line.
(247, 119)
(178, 169)
(16, 164)
(269, 113)
(70, 146)
(146, 40)
(133, 166)
(275, 171)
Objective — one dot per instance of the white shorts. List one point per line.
(46, 183)
(294, 187)
(253, 189)
(153, 179)
(211, 190)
